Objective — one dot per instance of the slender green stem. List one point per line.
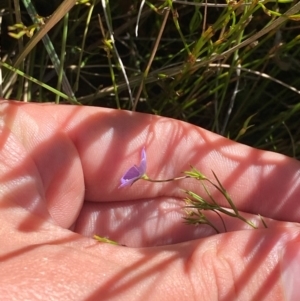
(16, 71)
(61, 71)
(83, 44)
(166, 180)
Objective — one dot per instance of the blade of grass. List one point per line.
(108, 49)
(111, 36)
(13, 69)
(58, 64)
(62, 79)
(54, 19)
(17, 12)
(261, 74)
(88, 20)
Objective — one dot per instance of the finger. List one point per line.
(20, 182)
(109, 142)
(259, 182)
(42, 168)
(156, 222)
(242, 265)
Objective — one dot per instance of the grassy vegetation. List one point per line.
(232, 68)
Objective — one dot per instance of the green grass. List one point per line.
(233, 69)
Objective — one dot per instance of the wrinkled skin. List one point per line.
(60, 171)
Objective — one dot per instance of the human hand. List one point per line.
(60, 171)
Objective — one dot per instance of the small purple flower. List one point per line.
(135, 173)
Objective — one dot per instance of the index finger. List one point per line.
(108, 142)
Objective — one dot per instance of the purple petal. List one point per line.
(132, 173)
(135, 172)
(130, 176)
(143, 164)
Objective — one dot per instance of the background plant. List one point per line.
(232, 68)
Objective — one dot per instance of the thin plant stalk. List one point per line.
(145, 74)
(61, 72)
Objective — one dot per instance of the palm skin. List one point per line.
(60, 171)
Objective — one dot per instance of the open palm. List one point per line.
(60, 171)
